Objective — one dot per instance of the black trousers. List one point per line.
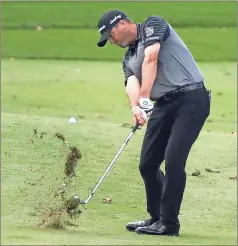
(174, 126)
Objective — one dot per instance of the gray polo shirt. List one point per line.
(176, 65)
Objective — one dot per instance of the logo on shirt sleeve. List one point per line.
(149, 31)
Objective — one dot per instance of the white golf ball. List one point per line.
(72, 120)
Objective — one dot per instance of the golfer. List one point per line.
(165, 89)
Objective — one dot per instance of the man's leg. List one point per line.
(193, 110)
(152, 156)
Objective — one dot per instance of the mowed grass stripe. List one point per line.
(81, 44)
(86, 14)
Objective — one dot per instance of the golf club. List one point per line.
(76, 198)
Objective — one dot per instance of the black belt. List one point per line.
(185, 88)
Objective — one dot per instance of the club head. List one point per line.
(77, 200)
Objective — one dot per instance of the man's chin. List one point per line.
(123, 46)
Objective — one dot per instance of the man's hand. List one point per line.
(146, 105)
(139, 115)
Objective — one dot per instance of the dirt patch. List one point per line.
(107, 200)
(101, 116)
(60, 136)
(63, 207)
(56, 207)
(128, 125)
(209, 170)
(196, 173)
(71, 162)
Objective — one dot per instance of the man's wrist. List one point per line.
(143, 96)
(135, 106)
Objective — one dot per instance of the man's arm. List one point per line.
(133, 90)
(155, 32)
(132, 86)
(149, 69)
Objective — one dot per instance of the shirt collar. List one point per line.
(132, 47)
(138, 31)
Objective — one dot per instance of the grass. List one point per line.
(43, 94)
(64, 88)
(81, 44)
(209, 202)
(86, 14)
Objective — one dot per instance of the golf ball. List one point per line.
(72, 120)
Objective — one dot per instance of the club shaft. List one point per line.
(113, 161)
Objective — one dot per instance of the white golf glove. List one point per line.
(146, 105)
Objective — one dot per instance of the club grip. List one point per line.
(136, 127)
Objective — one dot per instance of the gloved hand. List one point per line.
(146, 105)
(139, 115)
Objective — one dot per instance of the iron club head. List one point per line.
(78, 201)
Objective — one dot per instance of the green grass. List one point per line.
(64, 88)
(86, 14)
(206, 44)
(209, 205)
(43, 94)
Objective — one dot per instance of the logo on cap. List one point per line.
(115, 18)
(101, 28)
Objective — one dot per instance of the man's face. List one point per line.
(119, 35)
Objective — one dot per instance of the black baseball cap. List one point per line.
(107, 22)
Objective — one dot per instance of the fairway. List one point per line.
(68, 29)
(81, 88)
(73, 44)
(43, 94)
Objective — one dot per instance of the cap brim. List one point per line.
(103, 39)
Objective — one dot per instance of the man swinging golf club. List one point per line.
(159, 67)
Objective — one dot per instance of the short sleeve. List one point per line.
(155, 29)
(127, 72)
